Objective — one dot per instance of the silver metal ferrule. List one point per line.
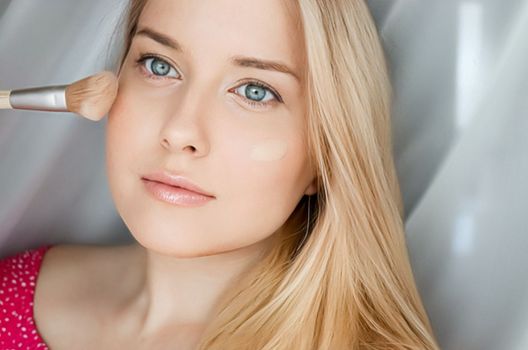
(46, 98)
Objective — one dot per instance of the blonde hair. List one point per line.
(351, 285)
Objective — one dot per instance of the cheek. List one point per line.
(117, 143)
(278, 165)
(119, 126)
(267, 183)
(130, 118)
(267, 171)
(114, 138)
(127, 135)
(270, 150)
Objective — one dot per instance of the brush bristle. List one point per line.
(93, 96)
(4, 100)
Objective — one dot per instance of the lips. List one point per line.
(177, 181)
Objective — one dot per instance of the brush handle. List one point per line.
(46, 98)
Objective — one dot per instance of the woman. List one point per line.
(286, 232)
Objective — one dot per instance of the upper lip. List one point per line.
(177, 181)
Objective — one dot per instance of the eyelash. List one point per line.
(143, 57)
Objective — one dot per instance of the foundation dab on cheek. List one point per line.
(269, 150)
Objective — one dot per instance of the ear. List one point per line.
(312, 188)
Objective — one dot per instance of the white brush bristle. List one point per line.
(92, 97)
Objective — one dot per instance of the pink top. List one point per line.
(18, 277)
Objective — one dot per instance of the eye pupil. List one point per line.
(159, 67)
(255, 91)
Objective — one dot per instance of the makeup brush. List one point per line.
(90, 97)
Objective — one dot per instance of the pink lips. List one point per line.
(175, 189)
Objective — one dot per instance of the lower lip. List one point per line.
(175, 195)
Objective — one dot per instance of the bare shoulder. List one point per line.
(75, 284)
(77, 265)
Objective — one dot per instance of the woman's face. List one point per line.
(193, 110)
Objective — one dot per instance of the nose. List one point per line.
(184, 129)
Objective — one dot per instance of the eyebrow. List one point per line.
(241, 61)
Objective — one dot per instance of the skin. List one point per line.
(252, 159)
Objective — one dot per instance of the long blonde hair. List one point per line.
(350, 286)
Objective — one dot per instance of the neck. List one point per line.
(183, 292)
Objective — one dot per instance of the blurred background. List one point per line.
(460, 124)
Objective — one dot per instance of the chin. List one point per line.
(177, 246)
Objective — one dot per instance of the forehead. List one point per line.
(267, 29)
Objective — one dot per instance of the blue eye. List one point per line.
(257, 92)
(157, 67)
